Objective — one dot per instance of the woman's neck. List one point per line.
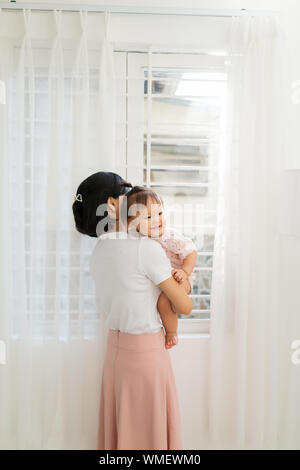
(116, 227)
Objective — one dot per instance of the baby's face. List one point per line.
(152, 221)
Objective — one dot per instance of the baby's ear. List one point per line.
(111, 207)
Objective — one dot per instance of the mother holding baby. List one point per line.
(139, 407)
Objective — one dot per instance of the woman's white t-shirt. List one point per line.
(126, 272)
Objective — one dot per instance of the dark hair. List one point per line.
(92, 192)
(137, 195)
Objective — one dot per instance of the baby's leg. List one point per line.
(169, 319)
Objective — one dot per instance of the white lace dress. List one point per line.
(177, 248)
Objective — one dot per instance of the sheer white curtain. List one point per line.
(254, 385)
(57, 128)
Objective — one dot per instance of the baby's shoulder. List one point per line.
(176, 242)
(172, 234)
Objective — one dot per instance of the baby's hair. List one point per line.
(138, 195)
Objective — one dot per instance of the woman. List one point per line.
(139, 407)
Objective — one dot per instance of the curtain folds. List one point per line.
(252, 378)
(57, 128)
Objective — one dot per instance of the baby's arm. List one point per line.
(188, 265)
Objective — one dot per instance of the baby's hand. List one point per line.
(179, 275)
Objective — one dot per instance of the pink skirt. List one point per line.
(139, 406)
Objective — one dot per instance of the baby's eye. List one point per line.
(160, 213)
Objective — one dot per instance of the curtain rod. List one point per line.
(13, 5)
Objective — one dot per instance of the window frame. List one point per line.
(133, 66)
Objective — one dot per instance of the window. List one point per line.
(168, 137)
(174, 112)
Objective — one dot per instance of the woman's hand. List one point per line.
(179, 275)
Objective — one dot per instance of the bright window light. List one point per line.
(202, 84)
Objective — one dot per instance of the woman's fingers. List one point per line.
(178, 276)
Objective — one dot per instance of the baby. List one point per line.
(147, 219)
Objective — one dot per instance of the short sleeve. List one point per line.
(180, 244)
(153, 261)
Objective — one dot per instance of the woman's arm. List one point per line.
(177, 295)
(156, 266)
